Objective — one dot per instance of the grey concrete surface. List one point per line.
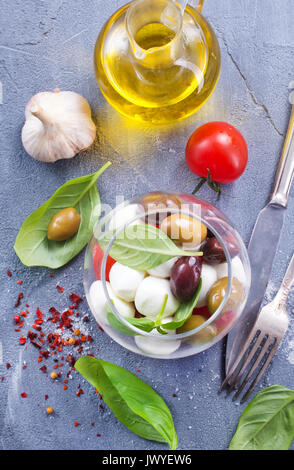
(48, 44)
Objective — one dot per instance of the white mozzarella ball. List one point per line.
(150, 296)
(237, 270)
(98, 302)
(209, 277)
(164, 269)
(124, 215)
(155, 346)
(125, 281)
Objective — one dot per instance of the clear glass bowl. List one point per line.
(208, 327)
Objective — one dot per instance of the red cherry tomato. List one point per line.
(224, 320)
(203, 311)
(219, 148)
(98, 255)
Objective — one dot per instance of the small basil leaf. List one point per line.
(267, 423)
(143, 323)
(133, 401)
(32, 245)
(142, 247)
(161, 330)
(184, 311)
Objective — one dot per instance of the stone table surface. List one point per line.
(49, 44)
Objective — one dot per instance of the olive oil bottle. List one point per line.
(156, 64)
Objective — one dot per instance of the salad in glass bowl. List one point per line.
(166, 275)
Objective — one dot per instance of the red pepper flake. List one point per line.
(60, 289)
(55, 315)
(138, 370)
(45, 354)
(46, 397)
(76, 423)
(174, 394)
(76, 299)
(24, 367)
(24, 395)
(2, 379)
(8, 365)
(51, 275)
(71, 360)
(98, 434)
(43, 369)
(79, 392)
(65, 320)
(19, 282)
(16, 318)
(34, 343)
(65, 387)
(19, 298)
(31, 334)
(9, 273)
(22, 340)
(39, 314)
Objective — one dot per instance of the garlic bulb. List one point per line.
(58, 125)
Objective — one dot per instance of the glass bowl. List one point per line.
(118, 305)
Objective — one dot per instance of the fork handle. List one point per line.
(285, 171)
(281, 297)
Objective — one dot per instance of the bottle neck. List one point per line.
(154, 29)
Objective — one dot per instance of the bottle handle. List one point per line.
(198, 4)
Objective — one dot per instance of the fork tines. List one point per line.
(256, 353)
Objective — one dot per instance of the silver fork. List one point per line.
(263, 341)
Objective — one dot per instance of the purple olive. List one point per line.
(185, 277)
(213, 252)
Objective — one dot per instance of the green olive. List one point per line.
(217, 293)
(63, 225)
(184, 229)
(204, 335)
(159, 202)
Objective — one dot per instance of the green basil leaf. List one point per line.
(142, 247)
(267, 423)
(143, 323)
(184, 311)
(32, 245)
(133, 401)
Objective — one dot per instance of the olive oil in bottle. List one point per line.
(155, 64)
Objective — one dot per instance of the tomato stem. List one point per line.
(216, 187)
